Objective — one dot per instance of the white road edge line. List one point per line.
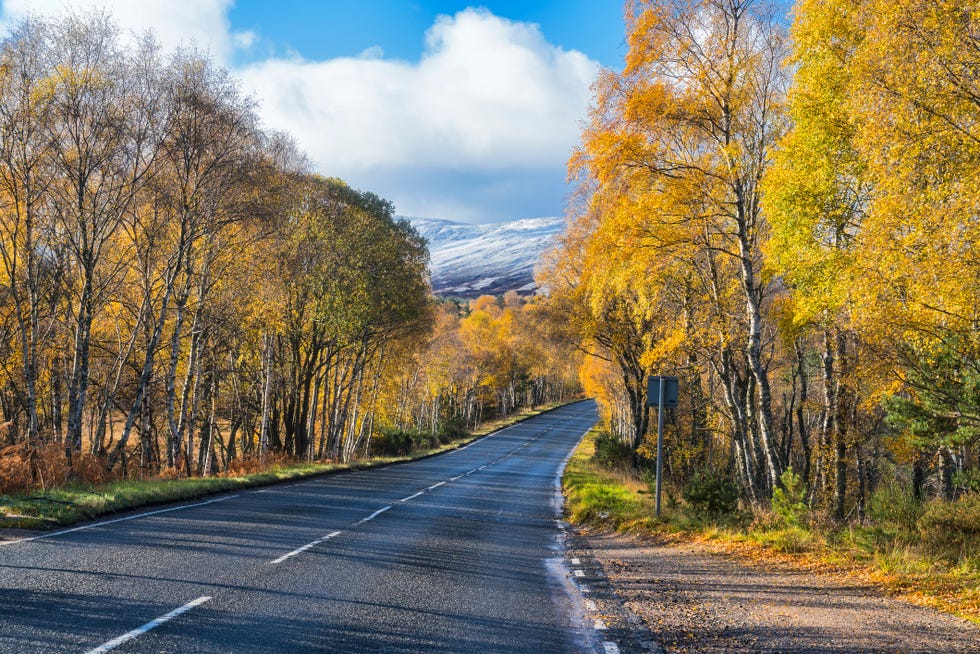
(126, 637)
(373, 515)
(456, 477)
(434, 486)
(305, 547)
(412, 497)
(110, 522)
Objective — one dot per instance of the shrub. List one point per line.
(400, 442)
(712, 494)
(967, 481)
(240, 466)
(789, 502)
(393, 442)
(611, 452)
(91, 469)
(453, 430)
(50, 465)
(952, 529)
(15, 469)
(791, 540)
(894, 506)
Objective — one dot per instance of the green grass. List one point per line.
(76, 503)
(600, 496)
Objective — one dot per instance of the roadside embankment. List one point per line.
(74, 503)
(704, 587)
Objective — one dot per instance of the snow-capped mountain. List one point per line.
(472, 260)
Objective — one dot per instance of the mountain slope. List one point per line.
(472, 260)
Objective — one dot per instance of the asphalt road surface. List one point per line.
(453, 553)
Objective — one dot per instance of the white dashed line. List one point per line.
(126, 637)
(434, 486)
(111, 522)
(610, 647)
(411, 497)
(305, 547)
(456, 477)
(373, 515)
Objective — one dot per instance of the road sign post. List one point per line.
(664, 389)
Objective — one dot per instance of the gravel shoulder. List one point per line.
(689, 599)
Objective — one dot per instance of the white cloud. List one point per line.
(479, 127)
(487, 94)
(203, 23)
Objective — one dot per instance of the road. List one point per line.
(454, 553)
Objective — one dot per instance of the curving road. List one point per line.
(453, 553)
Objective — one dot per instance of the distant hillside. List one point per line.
(472, 260)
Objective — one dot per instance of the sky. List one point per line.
(450, 110)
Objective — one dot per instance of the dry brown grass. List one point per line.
(25, 467)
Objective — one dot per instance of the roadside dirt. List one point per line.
(695, 601)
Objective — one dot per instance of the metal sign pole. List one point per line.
(660, 441)
(666, 390)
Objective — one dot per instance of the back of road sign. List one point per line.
(670, 391)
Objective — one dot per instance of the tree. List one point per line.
(816, 196)
(672, 161)
(25, 111)
(872, 201)
(101, 146)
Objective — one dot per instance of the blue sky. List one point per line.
(336, 28)
(455, 110)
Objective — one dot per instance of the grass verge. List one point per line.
(68, 505)
(614, 499)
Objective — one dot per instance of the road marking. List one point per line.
(610, 647)
(306, 547)
(373, 515)
(576, 562)
(579, 573)
(412, 497)
(110, 522)
(456, 477)
(481, 467)
(434, 486)
(126, 637)
(600, 625)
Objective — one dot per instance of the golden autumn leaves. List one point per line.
(789, 219)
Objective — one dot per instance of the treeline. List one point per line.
(788, 221)
(483, 359)
(179, 294)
